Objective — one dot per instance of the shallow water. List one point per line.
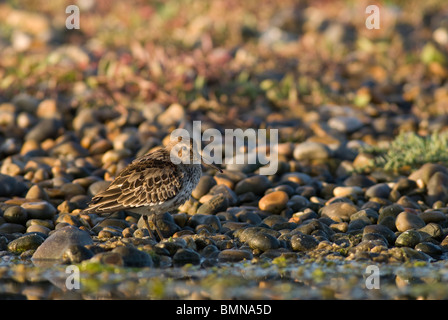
(260, 281)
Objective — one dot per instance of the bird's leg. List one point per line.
(156, 227)
(145, 219)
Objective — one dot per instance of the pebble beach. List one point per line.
(362, 176)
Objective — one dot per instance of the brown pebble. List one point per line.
(182, 233)
(339, 227)
(67, 218)
(234, 255)
(222, 180)
(36, 192)
(432, 216)
(105, 234)
(72, 189)
(206, 198)
(274, 202)
(407, 220)
(127, 232)
(29, 145)
(38, 228)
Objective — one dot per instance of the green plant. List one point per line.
(409, 150)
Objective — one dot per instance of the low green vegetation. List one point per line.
(409, 151)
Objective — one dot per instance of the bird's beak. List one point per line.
(211, 165)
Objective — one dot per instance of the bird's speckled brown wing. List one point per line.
(147, 181)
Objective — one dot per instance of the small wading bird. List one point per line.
(155, 183)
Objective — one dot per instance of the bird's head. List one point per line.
(185, 150)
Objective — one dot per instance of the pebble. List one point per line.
(224, 180)
(257, 184)
(69, 149)
(380, 190)
(36, 192)
(304, 215)
(204, 219)
(283, 187)
(311, 225)
(368, 215)
(234, 255)
(274, 202)
(180, 219)
(152, 110)
(273, 220)
(216, 204)
(108, 233)
(126, 140)
(75, 254)
(11, 228)
(409, 238)
(56, 244)
(46, 223)
(172, 115)
(44, 129)
(437, 188)
(232, 226)
(108, 258)
(359, 180)
(15, 214)
(339, 227)
(97, 187)
(297, 177)
(357, 224)
(186, 256)
(234, 165)
(392, 211)
(114, 223)
(432, 216)
(228, 194)
(245, 234)
(100, 147)
(25, 243)
(342, 191)
(39, 210)
(383, 230)
(9, 186)
(377, 238)
(407, 202)
(345, 124)
(69, 219)
(406, 220)
(25, 102)
(311, 151)
(303, 242)
(432, 230)
(405, 185)
(263, 241)
(205, 184)
(339, 211)
(210, 251)
(249, 217)
(415, 255)
(39, 229)
(298, 203)
(72, 189)
(426, 171)
(429, 248)
(132, 257)
(165, 222)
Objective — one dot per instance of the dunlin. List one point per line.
(155, 183)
